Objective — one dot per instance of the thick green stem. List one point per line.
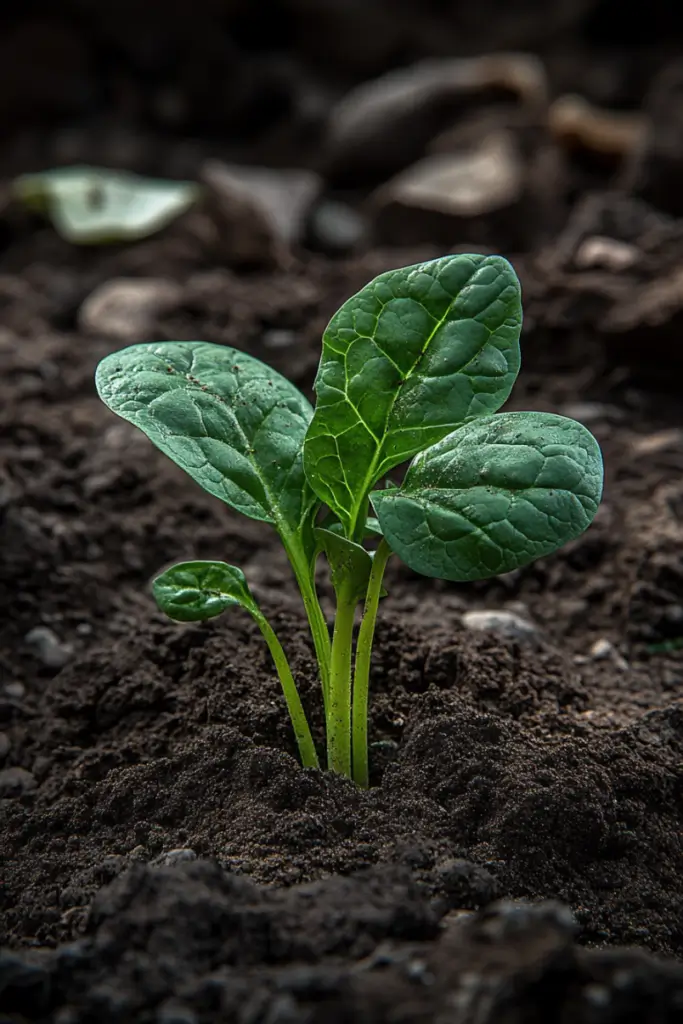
(316, 619)
(309, 757)
(361, 680)
(339, 703)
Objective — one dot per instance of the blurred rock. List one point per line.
(661, 441)
(14, 782)
(502, 622)
(281, 197)
(126, 309)
(251, 216)
(384, 125)
(47, 647)
(179, 856)
(604, 650)
(607, 253)
(336, 228)
(577, 124)
(590, 413)
(656, 168)
(471, 197)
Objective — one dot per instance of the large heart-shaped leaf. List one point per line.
(412, 356)
(194, 591)
(93, 205)
(231, 422)
(493, 495)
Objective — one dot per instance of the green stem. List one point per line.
(339, 703)
(314, 613)
(309, 757)
(361, 680)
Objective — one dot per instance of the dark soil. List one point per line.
(164, 857)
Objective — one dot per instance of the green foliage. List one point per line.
(413, 367)
(195, 591)
(231, 422)
(95, 206)
(493, 495)
(413, 355)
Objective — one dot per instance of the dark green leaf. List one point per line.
(194, 591)
(412, 356)
(231, 422)
(493, 495)
(350, 564)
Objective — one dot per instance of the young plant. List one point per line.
(413, 367)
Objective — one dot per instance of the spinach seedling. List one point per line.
(413, 367)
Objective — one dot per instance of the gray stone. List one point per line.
(502, 622)
(336, 227)
(279, 338)
(593, 412)
(437, 198)
(180, 856)
(386, 124)
(126, 309)
(47, 647)
(604, 650)
(260, 212)
(14, 782)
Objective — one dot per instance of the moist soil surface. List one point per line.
(518, 856)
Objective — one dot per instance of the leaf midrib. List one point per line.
(377, 466)
(206, 389)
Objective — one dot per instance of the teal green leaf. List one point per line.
(493, 495)
(350, 563)
(93, 206)
(234, 424)
(412, 356)
(194, 591)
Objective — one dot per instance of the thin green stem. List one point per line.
(339, 703)
(309, 757)
(314, 613)
(361, 680)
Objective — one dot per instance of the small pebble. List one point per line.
(603, 649)
(506, 623)
(179, 856)
(15, 690)
(592, 412)
(337, 227)
(14, 782)
(279, 338)
(47, 647)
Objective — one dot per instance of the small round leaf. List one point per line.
(194, 591)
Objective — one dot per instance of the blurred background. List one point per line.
(420, 121)
(552, 132)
